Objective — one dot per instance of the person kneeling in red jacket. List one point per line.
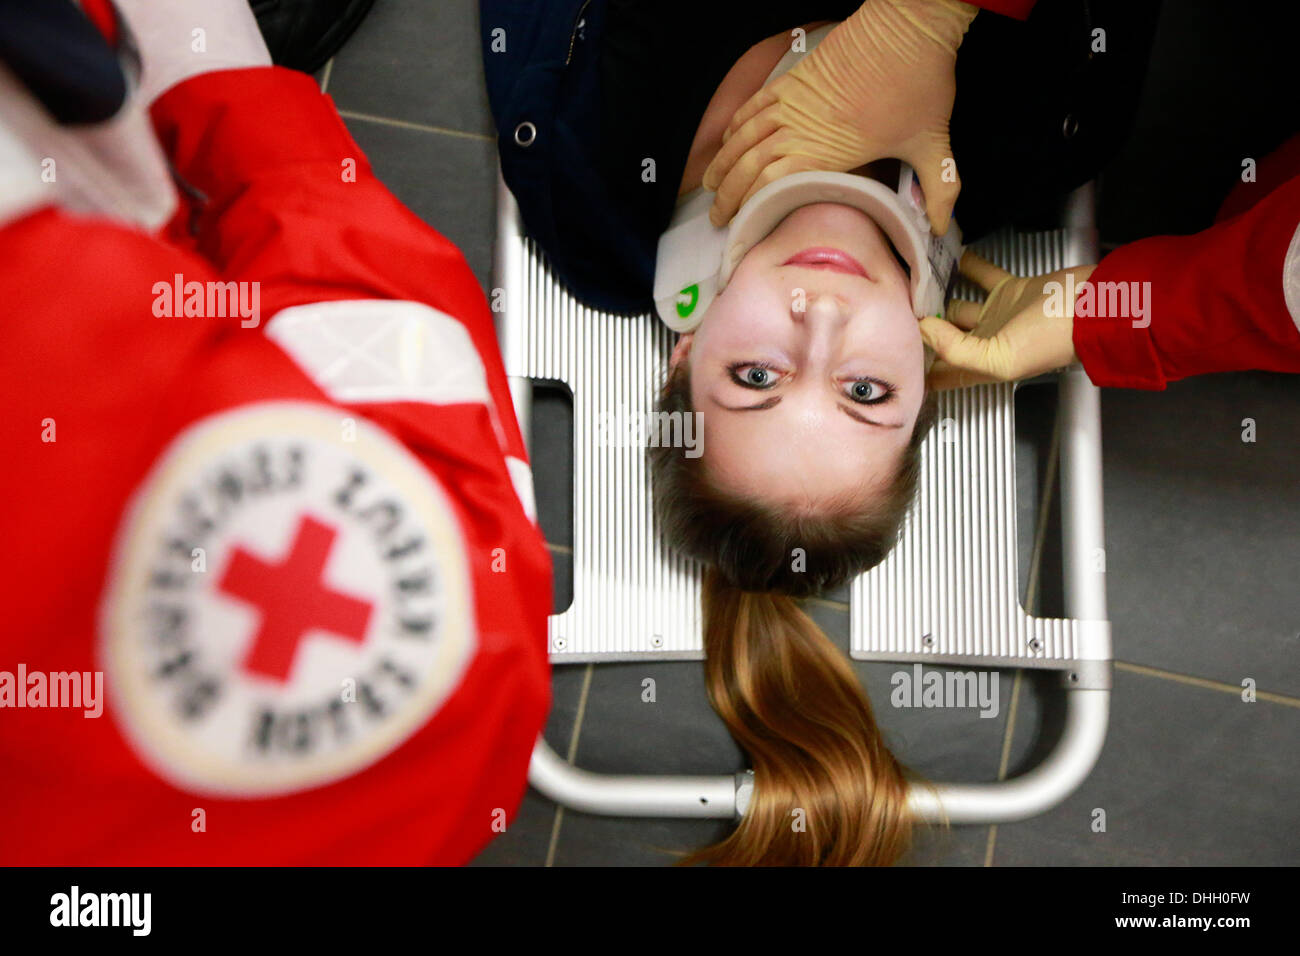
(275, 591)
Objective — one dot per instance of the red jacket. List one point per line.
(1225, 299)
(294, 549)
(1018, 9)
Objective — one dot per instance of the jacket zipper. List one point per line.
(573, 37)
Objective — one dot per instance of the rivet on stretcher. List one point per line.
(559, 643)
(928, 640)
(656, 641)
(1035, 645)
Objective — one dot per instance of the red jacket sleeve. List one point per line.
(1016, 9)
(1216, 301)
(291, 201)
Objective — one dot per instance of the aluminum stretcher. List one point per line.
(946, 595)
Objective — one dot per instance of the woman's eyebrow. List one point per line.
(866, 421)
(761, 406)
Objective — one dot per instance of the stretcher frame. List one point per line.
(947, 595)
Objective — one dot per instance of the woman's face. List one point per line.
(809, 367)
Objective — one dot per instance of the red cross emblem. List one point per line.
(292, 600)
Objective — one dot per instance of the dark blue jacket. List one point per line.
(548, 76)
(584, 91)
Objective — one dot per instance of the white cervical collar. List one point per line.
(696, 259)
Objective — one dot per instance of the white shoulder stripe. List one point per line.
(388, 350)
(379, 350)
(522, 478)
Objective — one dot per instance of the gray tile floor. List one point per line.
(1203, 549)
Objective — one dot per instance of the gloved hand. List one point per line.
(1024, 327)
(881, 84)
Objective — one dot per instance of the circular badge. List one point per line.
(289, 600)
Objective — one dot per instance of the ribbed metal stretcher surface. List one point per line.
(947, 594)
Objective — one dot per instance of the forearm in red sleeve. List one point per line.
(1217, 301)
(291, 202)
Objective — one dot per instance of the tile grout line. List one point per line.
(554, 843)
(1031, 598)
(407, 124)
(1134, 668)
(1044, 513)
(1205, 683)
(1155, 672)
(570, 757)
(329, 71)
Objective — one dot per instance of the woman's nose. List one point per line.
(817, 310)
(822, 318)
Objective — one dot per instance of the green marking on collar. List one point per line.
(687, 306)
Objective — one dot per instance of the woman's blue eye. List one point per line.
(866, 392)
(752, 376)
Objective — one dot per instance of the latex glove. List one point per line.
(1024, 327)
(881, 84)
(179, 39)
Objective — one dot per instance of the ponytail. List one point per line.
(827, 792)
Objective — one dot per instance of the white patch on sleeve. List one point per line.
(1291, 278)
(522, 477)
(379, 350)
(285, 606)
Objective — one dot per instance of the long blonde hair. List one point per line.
(827, 791)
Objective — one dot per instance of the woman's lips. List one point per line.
(836, 260)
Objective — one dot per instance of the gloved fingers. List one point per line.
(937, 171)
(963, 314)
(968, 351)
(735, 186)
(785, 166)
(983, 273)
(754, 170)
(759, 127)
(760, 101)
